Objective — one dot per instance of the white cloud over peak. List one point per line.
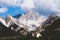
(28, 4)
(44, 5)
(2, 10)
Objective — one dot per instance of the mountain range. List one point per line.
(33, 23)
(30, 21)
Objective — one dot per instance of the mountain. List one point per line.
(33, 23)
(52, 27)
(32, 20)
(17, 16)
(3, 21)
(29, 21)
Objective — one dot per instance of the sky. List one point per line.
(42, 7)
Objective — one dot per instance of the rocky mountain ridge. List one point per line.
(29, 21)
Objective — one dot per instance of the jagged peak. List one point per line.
(8, 18)
(31, 16)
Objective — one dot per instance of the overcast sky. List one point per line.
(42, 7)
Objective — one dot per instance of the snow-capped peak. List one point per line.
(32, 20)
(29, 21)
(4, 22)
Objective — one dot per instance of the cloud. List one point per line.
(47, 5)
(44, 7)
(20, 3)
(28, 4)
(12, 2)
(40, 6)
(2, 10)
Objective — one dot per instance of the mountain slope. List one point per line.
(32, 20)
(29, 21)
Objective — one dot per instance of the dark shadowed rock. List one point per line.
(17, 16)
(51, 26)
